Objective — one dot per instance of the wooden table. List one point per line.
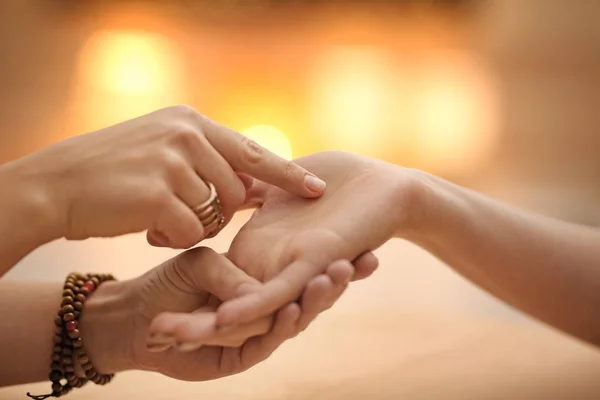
(372, 357)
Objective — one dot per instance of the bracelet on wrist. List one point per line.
(68, 347)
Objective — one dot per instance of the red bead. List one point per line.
(71, 326)
(89, 285)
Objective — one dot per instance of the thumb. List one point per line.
(206, 270)
(255, 195)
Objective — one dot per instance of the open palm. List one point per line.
(289, 239)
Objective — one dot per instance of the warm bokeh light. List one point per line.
(124, 74)
(353, 99)
(270, 138)
(131, 62)
(456, 121)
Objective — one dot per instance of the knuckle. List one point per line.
(251, 152)
(290, 170)
(198, 255)
(185, 111)
(173, 162)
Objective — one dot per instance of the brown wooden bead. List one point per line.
(84, 291)
(70, 286)
(58, 330)
(68, 309)
(57, 339)
(67, 361)
(55, 376)
(83, 359)
(80, 283)
(96, 280)
(74, 334)
(80, 298)
(70, 376)
(65, 390)
(67, 351)
(56, 387)
(58, 321)
(68, 317)
(55, 357)
(68, 293)
(78, 343)
(55, 366)
(57, 349)
(66, 301)
(67, 342)
(78, 305)
(91, 374)
(69, 368)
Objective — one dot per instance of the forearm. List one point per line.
(545, 267)
(28, 328)
(26, 220)
(27, 313)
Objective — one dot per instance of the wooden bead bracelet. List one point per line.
(68, 350)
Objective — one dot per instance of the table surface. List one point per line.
(375, 357)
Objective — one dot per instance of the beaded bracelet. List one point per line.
(68, 347)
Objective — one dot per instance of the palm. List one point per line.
(168, 289)
(355, 215)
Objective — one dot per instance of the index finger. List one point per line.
(271, 296)
(245, 155)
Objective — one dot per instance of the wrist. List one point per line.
(29, 204)
(424, 204)
(437, 209)
(107, 329)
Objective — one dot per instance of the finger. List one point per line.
(323, 291)
(255, 196)
(284, 288)
(157, 239)
(211, 166)
(208, 271)
(247, 180)
(246, 156)
(340, 272)
(188, 332)
(178, 223)
(364, 266)
(260, 348)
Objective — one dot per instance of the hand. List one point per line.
(148, 173)
(289, 240)
(164, 321)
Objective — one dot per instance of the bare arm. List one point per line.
(28, 327)
(545, 267)
(26, 220)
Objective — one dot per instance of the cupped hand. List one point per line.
(149, 173)
(289, 240)
(165, 320)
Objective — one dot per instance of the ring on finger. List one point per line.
(210, 213)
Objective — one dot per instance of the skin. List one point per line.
(145, 174)
(179, 296)
(542, 266)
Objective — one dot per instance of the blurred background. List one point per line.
(500, 96)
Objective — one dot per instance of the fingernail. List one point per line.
(160, 338)
(162, 239)
(157, 348)
(314, 184)
(185, 347)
